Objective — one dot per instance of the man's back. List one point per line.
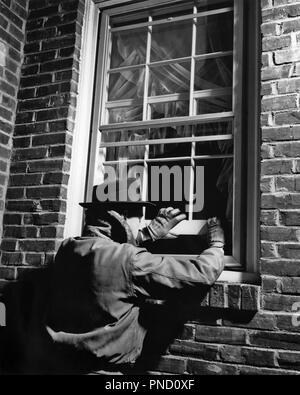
(91, 304)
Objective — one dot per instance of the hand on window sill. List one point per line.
(215, 233)
(160, 227)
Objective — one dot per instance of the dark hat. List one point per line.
(119, 199)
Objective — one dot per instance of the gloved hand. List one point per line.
(159, 227)
(215, 234)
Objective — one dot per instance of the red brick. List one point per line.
(287, 56)
(35, 259)
(291, 25)
(23, 206)
(280, 200)
(260, 320)
(289, 250)
(12, 219)
(9, 245)
(44, 219)
(56, 178)
(290, 285)
(51, 138)
(275, 340)
(286, 322)
(268, 250)
(287, 117)
(220, 335)
(250, 297)
(273, 43)
(7, 273)
(52, 232)
(278, 233)
(48, 166)
(269, 217)
(276, 72)
(290, 360)
(275, 302)
(234, 296)
(45, 192)
(291, 217)
(172, 365)
(290, 149)
(270, 284)
(277, 13)
(285, 184)
(54, 205)
(29, 153)
(11, 258)
(277, 166)
(217, 296)
(281, 267)
(289, 85)
(276, 103)
(267, 184)
(211, 368)
(256, 371)
(25, 179)
(37, 245)
(194, 349)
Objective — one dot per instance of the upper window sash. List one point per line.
(147, 100)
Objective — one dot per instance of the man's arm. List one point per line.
(158, 277)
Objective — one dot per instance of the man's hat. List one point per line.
(116, 196)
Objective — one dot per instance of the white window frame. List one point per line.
(74, 214)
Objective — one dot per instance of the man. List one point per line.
(99, 280)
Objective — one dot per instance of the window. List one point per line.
(170, 94)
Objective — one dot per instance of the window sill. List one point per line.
(239, 277)
(234, 296)
(236, 291)
(237, 297)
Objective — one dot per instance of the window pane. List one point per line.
(123, 152)
(124, 135)
(218, 194)
(172, 78)
(166, 183)
(169, 110)
(214, 128)
(214, 33)
(128, 48)
(168, 12)
(169, 150)
(218, 174)
(168, 132)
(214, 104)
(171, 41)
(126, 85)
(222, 147)
(125, 114)
(213, 73)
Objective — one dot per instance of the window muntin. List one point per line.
(207, 99)
(173, 60)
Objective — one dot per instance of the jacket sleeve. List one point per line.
(160, 277)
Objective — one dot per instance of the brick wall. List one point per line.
(239, 329)
(13, 15)
(36, 195)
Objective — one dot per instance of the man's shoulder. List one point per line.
(77, 244)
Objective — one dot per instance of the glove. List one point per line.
(159, 227)
(215, 234)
